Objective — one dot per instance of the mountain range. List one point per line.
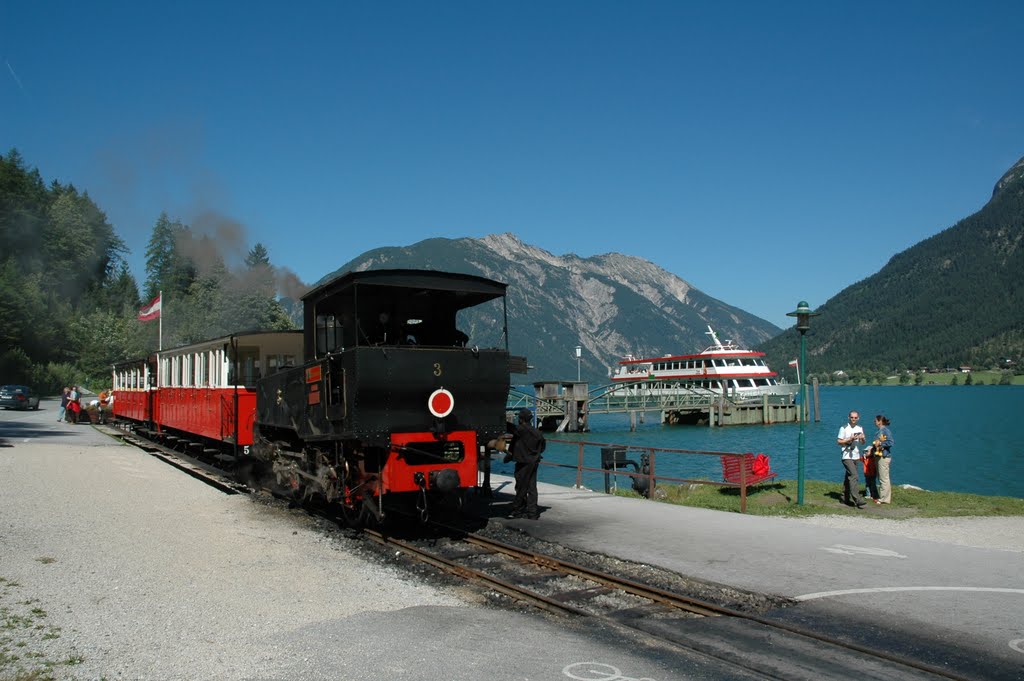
(610, 305)
(951, 299)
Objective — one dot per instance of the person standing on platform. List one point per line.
(74, 404)
(64, 396)
(102, 408)
(882, 448)
(526, 447)
(850, 436)
(870, 474)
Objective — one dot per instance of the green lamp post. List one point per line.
(803, 314)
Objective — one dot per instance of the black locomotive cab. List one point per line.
(406, 373)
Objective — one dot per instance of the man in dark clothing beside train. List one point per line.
(525, 449)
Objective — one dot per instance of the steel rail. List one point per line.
(453, 567)
(693, 605)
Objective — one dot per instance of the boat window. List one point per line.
(731, 362)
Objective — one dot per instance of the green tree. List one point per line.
(258, 255)
(167, 268)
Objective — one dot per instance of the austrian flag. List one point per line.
(151, 311)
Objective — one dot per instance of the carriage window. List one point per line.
(328, 334)
(277, 362)
(245, 366)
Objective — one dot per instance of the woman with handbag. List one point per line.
(881, 447)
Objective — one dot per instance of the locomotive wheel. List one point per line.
(351, 516)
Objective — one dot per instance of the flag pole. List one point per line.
(160, 340)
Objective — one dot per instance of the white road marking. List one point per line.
(896, 589)
(597, 671)
(848, 550)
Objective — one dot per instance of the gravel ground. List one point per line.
(100, 579)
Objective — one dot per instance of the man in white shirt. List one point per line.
(850, 436)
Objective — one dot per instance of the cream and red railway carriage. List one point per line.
(205, 390)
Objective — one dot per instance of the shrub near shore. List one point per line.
(778, 498)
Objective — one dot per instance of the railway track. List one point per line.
(745, 639)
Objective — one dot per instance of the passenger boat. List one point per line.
(721, 366)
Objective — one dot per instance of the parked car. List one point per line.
(18, 397)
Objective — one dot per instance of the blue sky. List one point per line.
(766, 152)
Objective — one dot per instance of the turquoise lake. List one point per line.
(947, 438)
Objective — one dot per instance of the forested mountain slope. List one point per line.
(955, 298)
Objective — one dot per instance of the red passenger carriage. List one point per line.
(205, 391)
(208, 389)
(134, 384)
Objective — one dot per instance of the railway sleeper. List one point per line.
(539, 578)
(645, 611)
(580, 594)
(471, 553)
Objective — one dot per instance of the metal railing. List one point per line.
(647, 466)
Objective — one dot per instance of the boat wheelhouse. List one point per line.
(721, 367)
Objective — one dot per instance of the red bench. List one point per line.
(746, 470)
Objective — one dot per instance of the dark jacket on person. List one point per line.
(527, 443)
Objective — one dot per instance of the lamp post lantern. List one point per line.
(803, 314)
(579, 354)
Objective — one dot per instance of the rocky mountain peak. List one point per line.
(611, 305)
(1012, 176)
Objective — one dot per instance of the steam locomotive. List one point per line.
(381, 401)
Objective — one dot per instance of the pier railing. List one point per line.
(615, 461)
(564, 408)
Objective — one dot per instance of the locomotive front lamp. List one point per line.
(803, 314)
